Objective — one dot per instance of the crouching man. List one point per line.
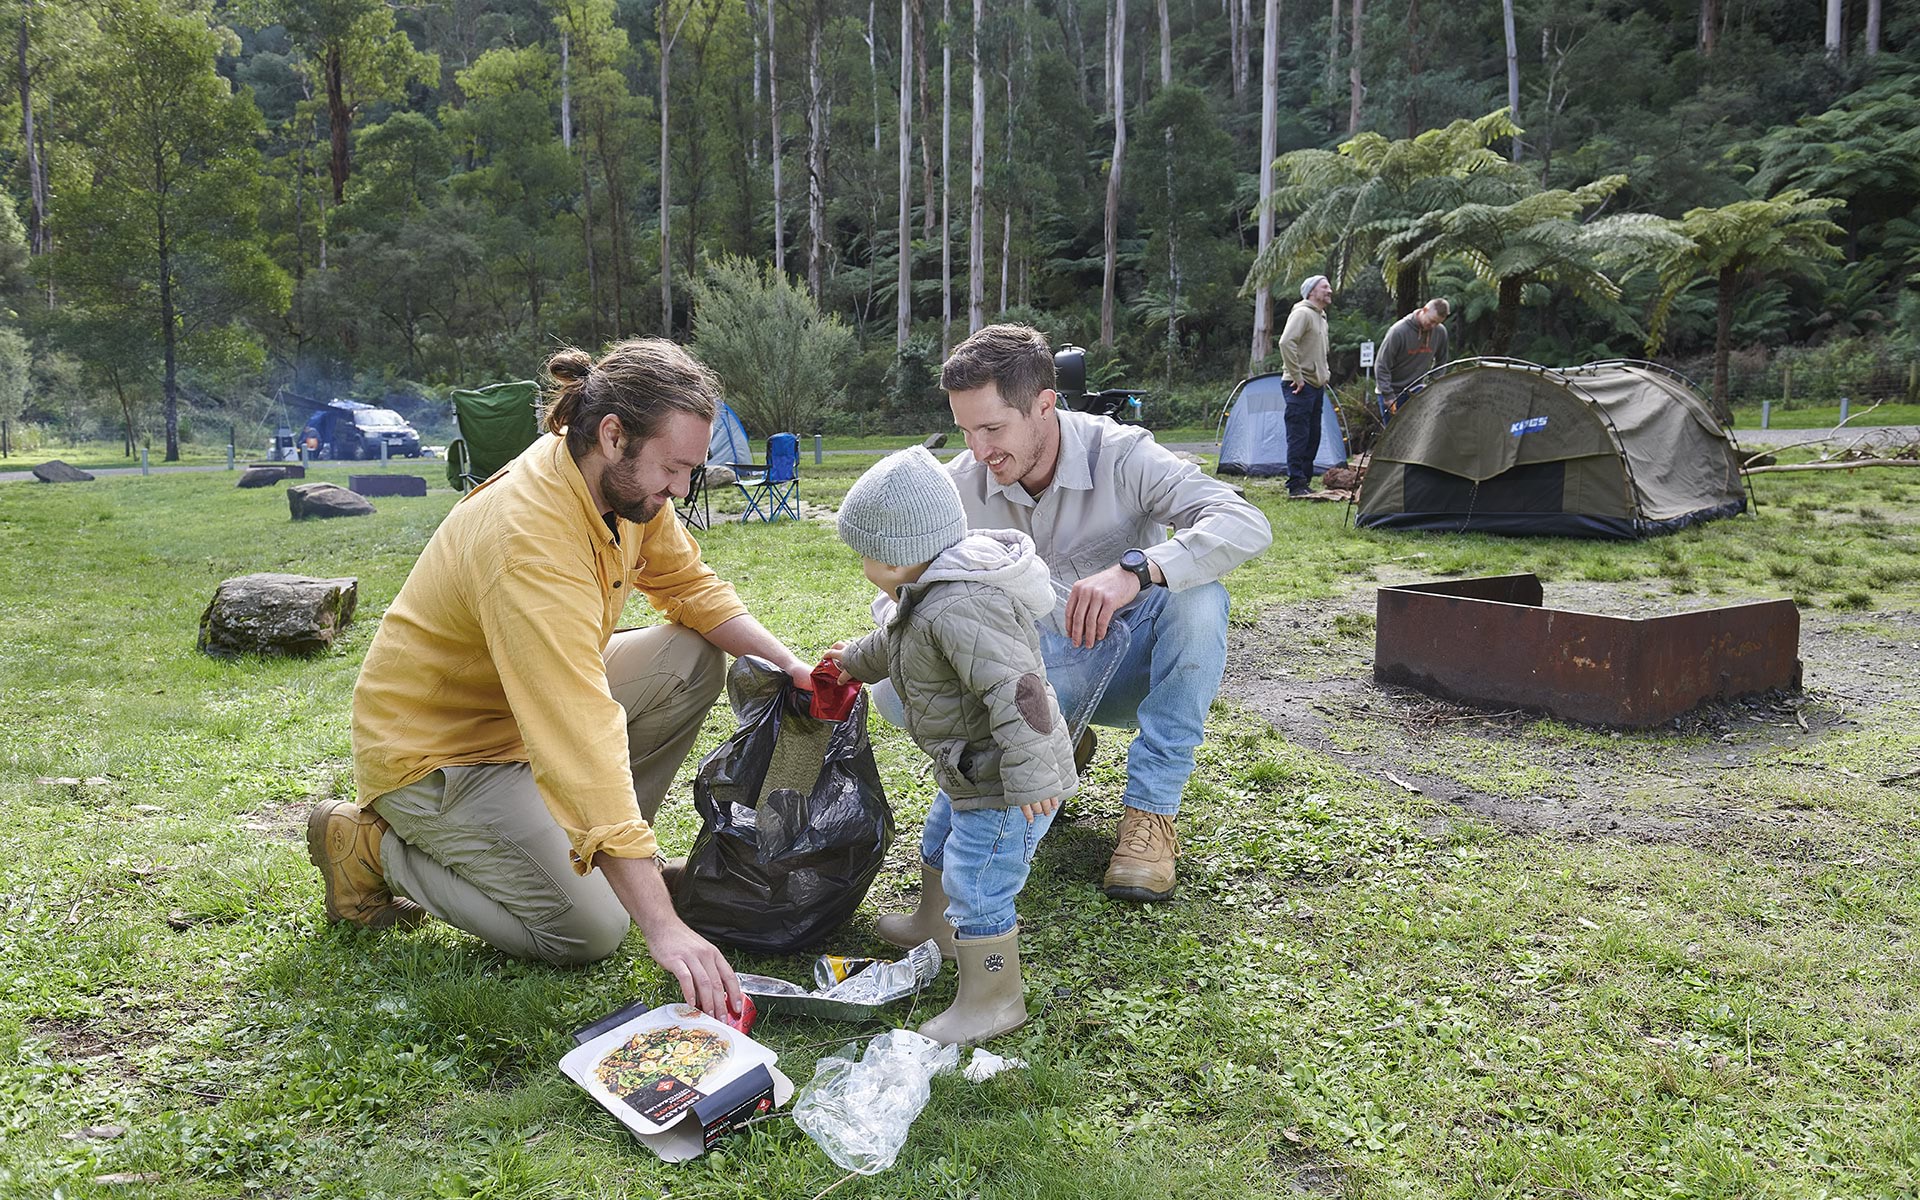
(1137, 541)
(510, 743)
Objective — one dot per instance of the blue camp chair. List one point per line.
(772, 488)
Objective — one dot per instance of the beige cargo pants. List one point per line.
(477, 847)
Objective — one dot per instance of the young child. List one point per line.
(957, 637)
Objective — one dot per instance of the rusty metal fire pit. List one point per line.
(1492, 641)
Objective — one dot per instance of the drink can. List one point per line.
(742, 1020)
(830, 969)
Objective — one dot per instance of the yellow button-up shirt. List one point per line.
(492, 650)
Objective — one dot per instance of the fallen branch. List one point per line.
(1837, 465)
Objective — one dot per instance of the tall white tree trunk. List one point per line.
(1333, 48)
(1513, 71)
(946, 190)
(566, 93)
(1006, 207)
(1355, 89)
(773, 147)
(1873, 29)
(903, 319)
(976, 235)
(1709, 34)
(873, 68)
(1166, 46)
(1269, 147)
(753, 22)
(1107, 277)
(1106, 68)
(666, 169)
(816, 152)
(1245, 64)
(1836, 10)
(1236, 42)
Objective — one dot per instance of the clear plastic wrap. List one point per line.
(860, 1112)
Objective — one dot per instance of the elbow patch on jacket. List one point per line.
(1035, 708)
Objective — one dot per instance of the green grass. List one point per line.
(1359, 989)
(1747, 416)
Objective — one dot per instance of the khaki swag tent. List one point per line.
(1612, 449)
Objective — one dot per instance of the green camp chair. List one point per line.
(496, 423)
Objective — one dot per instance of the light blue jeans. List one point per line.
(1168, 675)
(1172, 651)
(983, 856)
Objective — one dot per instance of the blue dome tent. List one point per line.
(729, 441)
(1254, 441)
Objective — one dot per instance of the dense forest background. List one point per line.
(218, 214)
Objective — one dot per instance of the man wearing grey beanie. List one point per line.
(1303, 364)
(958, 640)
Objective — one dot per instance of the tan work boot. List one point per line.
(343, 840)
(929, 920)
(992, 999)
(1143, 853)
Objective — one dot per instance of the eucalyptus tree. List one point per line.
(1108, 278)
(600, 53)
(518, 174)
(664, 17)
(903, 316)
(1737, 245)
(976, 224)
(360, 56)
(1269, 137)
(162, 214)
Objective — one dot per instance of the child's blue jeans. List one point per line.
(983, 856)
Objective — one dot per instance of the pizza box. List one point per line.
(676, 1077)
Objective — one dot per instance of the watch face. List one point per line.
(1133, 560)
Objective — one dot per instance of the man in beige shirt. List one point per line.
(1136, 540)
(510, 743)
(1303, 364)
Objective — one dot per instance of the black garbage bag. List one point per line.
(796, 823)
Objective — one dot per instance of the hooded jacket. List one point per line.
(961, 647)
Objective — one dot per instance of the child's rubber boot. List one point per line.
(927, 921)
(991, 1000)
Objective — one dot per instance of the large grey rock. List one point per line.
(935, 441)
(720, 475)
(289, 616)
(325, 500)
(59, 472)
(259, 477)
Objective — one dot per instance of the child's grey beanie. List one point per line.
(904, 511)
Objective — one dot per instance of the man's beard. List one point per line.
(628, 504)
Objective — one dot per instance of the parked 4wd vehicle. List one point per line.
(350, 429)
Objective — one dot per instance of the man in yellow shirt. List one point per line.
(510, 744)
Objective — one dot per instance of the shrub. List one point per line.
(780, 359)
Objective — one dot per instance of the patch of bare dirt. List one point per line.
(279, 822)
(1308, 671)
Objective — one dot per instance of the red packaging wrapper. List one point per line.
(742, 1020)
(832, 700)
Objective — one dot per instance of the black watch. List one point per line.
(1136, 561)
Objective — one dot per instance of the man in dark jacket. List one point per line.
(1416, 344)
